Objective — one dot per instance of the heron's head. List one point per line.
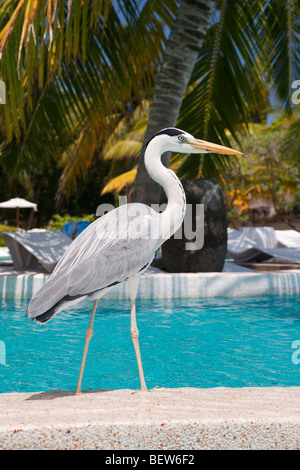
(176, 140)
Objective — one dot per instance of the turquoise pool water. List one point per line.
(231, 342)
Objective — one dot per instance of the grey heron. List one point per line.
(120, 245)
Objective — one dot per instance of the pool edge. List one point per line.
(170, 419)
(167, 285)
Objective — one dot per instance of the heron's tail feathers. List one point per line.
(63, 303)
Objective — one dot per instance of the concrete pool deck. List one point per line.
(160, 419)
(170, 419)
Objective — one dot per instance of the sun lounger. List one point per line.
(291, 255)
(263, 237)
(288, 238)
(28, 249)
(250, 244)
(243, 249)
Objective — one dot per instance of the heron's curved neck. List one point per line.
(172, 217)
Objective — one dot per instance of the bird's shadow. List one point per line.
(52, 395)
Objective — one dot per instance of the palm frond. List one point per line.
(79, 65)
(77, 159)
(283, 46)
(122, 149)
(116, 184)
(216, 108)
(290, 146)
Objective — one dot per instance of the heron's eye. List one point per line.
(181, 138)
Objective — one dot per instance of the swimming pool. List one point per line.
(204, 342)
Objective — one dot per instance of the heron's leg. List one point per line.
(133, 287)
(88, 335)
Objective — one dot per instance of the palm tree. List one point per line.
(249, 46)
(186, 38)
(72, 67)
(231, 71)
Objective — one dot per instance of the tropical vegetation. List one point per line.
(268, 173)
(81, 79)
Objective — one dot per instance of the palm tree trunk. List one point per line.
(182, 50)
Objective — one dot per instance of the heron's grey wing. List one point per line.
(109, 251)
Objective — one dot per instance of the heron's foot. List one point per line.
(150, 389)
(146, 390)
(143, 390)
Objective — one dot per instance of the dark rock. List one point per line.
(210, 256)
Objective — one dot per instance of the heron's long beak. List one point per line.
(204, 146)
